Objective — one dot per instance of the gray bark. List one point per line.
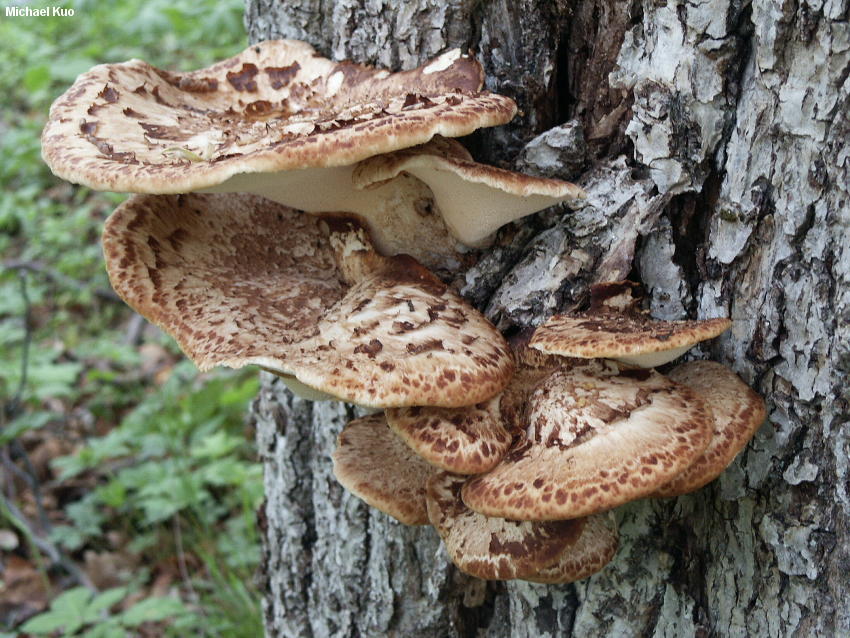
(717, 159)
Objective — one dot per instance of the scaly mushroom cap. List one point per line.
(494, 548)
(474, 199)
(374, 465)
(594, 549)
(239, 280)
(473, 439)
(467, 440)
(613, 328)
(276, 106)
(737, 413)
(599, 435)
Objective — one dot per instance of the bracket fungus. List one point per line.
(615, 328)
(500, 549)
(376, 466)
(237, 279)
(598, 435)
(475, 199)
(737, 412)
(473, 439)
(280, 121)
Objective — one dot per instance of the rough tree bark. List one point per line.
(712, 136)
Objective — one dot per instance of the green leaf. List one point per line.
(45, 623)
(103, 601)
(36, 78)
(24, 423)
(67, 611)
(152, 610)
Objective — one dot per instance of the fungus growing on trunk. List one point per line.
(598, 435)
(376, 466)
(499, 549)
(280, 121)
(615, 328)
(473, 439)
(239, 280)
(737, 412)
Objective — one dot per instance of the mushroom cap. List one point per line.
(376, 466)
(239, 280)
(473, 439)
(493, 548)
(614, 327)
(594, 549)
(474, 199)
(467, 440)
(599, 435)
(737, 413)
(276, 106)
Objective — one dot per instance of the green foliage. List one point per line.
(81, 612)
(173, 467)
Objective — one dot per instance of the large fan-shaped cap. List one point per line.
(374, 465)
(474, 199)
(615, 329)
(240, 280)
(599, 435)
(737, 413)
(276, 106)
(494, 548)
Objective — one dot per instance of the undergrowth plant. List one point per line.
(164, 453)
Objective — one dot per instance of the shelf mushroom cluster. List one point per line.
(523, 485)
(289, 210)
(281, 122)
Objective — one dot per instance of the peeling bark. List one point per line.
(717, 158)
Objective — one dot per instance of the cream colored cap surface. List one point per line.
(276, 106)
(239, 280)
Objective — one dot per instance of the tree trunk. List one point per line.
(715, 152)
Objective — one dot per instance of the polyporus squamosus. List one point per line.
(614, 327)
(500, 549)
(377, 467)
(736, 411)
(279, 121)
(237, 279)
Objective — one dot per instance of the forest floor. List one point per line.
(129, 480)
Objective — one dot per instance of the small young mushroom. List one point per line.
(239, 280)
(737, 412)
(467, 440)
(599, 435)
(615, 328)
(473, 439)
(374, 465)
(499, 549)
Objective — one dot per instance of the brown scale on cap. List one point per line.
(240, 280)
(374, 465)
(466, 440)
(615, 328)
(599, 435)
(595, 549)
(737, 413)
(473, 439)
(494, 548)
(276, 106)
